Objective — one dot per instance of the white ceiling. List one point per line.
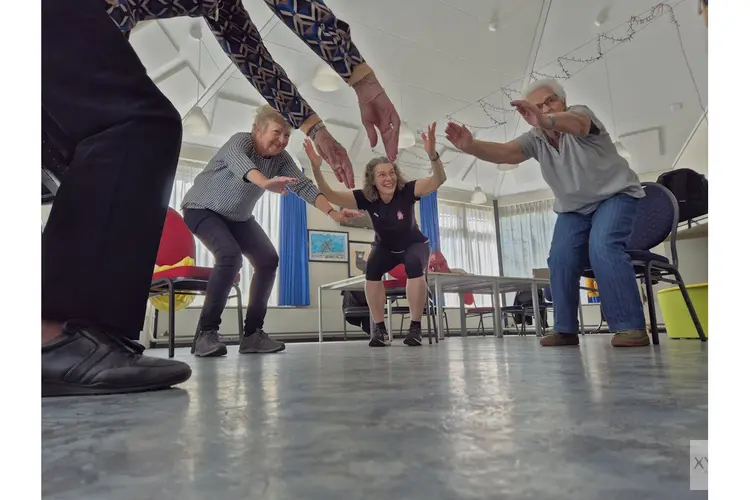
(438, 58)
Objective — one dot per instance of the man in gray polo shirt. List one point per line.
(596, 198)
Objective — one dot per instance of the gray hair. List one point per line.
(549, 83)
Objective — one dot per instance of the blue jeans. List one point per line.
(597, 240)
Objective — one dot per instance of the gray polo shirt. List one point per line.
(222, 188)
(585, 171)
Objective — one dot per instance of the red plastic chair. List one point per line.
(177, 243)
(398, 281)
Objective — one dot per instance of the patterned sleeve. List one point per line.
(329, 37)
(241, 40)
(305, 188)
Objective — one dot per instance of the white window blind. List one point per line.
(467, 239)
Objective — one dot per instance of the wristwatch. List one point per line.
(437, 157)
(314, 129)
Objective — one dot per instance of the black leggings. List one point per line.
(228, 241)
(381, 260)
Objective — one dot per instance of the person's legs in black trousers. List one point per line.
(228, 241)
(101, 240)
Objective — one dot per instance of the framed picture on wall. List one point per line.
(328, 246)
(359, 251)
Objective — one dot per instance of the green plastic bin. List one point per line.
(676, 315)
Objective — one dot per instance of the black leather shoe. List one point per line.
(89, 361)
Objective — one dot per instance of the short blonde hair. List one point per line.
(266, 114)
(368, 184)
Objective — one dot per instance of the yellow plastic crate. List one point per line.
(676, 315)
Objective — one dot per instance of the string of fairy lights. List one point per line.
(562, 68)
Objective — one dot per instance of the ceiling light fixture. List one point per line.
(478, 197)
(494, 21)
(406, 138)
(196, 29)
(196, 123)
(602, 17)
(327, 80)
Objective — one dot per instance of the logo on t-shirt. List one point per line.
(399, 215)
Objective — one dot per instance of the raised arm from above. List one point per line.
(344, 199)
(508, 153)
(427, 185)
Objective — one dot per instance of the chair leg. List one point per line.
(156, 323)
(447, 328)
(171, 319)
(344, 327)
(429, 322)
(651, 305)
(689, 304)
(240, 317)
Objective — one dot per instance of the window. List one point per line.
(467, 239)
(267, 212)
(525, 236)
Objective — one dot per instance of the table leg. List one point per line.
(320, 315)
(462, 312)
(497, 304)
(390, 319)
(439, 308)
(535, 303)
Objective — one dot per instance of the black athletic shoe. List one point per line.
(208, 344)
(414, 337)
(89, 361)
(378, 338)
(260, 343)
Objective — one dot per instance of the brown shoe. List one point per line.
(631, 338)
(556, 339)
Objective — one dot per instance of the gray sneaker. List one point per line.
(260, 343)
(209, 344)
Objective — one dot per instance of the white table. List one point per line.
(441, 283)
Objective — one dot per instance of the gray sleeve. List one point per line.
(585, 110)
(528, 143)
(305, 188)
(235, 155)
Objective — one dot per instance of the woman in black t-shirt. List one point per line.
(389, 199)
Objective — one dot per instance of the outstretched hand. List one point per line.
(429, 141)
(346, 214)
(279, 184)
(336, 156)
(459, 136)
(532, 114)
(377, 111)
(315, 159)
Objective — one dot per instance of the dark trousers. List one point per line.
(228, 241)
(101, 240)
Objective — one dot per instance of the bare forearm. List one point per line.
(256, 178)
(438, 171)
(493, 152)
(322, 204)
(567, 122)
(320, 180)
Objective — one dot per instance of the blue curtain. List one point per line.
(294, 273)
(429, 221)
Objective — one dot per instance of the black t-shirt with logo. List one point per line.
(394, 222)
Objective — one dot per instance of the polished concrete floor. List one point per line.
(477, 418)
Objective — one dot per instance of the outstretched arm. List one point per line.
(330, 38)
(427, 185)
(510, 153)
(343, 199)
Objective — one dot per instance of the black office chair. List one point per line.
(656, 220)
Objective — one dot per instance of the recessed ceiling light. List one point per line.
(327, 80)
(602, 17)
(675, 106)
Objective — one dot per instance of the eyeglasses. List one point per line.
(548, 102)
